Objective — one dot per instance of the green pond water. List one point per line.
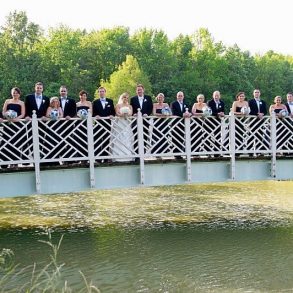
(230, 237)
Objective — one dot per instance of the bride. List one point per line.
(122, 137)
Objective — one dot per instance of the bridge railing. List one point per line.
(125, 139)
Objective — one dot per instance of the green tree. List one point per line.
(152, 49)
(237, 73)
(274, 75)
(18, 56)
(103, 51)
(125, 79)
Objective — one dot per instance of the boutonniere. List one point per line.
(145, 100)
(260, 103)
(219, 106)
(184, 106)
(43, 101)
(106, 103)
(66, 101)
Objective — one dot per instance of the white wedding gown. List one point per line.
(122, 139)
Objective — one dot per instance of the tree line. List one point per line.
(117, 60)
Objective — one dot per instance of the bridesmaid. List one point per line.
(240, 121)
(83, 102)
(161, 127)
(81, 125)
(13, 133)
(197, 127)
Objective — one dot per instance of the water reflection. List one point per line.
(234, 237)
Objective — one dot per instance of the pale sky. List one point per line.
(254, 25)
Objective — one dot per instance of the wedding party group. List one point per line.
(122, 135)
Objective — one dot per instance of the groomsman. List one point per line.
(289, 104)
(67, 130)
(36, 101)
(67, 104)
(179, 108)
(102, 107)
(214, 125)
(40, 103)
(145, 104)
(259, 139)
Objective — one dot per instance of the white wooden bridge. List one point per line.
(38, 157)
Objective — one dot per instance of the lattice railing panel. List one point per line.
(284, 134)
(252, 134)
(15, 142)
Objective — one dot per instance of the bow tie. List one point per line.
(39, 97)
(102, 99)
(290, 103)
(63, 99)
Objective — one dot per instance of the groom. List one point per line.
(145, 104)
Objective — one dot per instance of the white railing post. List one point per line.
(91, 151)
(36, 151)
(140, 145)
(232, 144)
(273, 144)
(188, 148)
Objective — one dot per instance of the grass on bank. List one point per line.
(46, 279)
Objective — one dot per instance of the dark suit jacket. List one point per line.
(147, 105)
(98, 108)
(30, 105)
(69, 108)
(254, 109)
(288, 108)
(213, 106)
(176, 108)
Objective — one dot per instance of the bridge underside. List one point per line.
(156, 173)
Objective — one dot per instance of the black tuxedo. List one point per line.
(102, 129)
(178, 131)
(31, 104)
(176, 108)
(147, 108)
(99, 110)
(215, 110)
(254, 109)
(147, 105)
(288, 108)
(214, 125)
(69, 107)
(258, 135)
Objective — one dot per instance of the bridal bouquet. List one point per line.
(124, 110)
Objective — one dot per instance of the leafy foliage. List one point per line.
(126, 78)
(111, 57)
